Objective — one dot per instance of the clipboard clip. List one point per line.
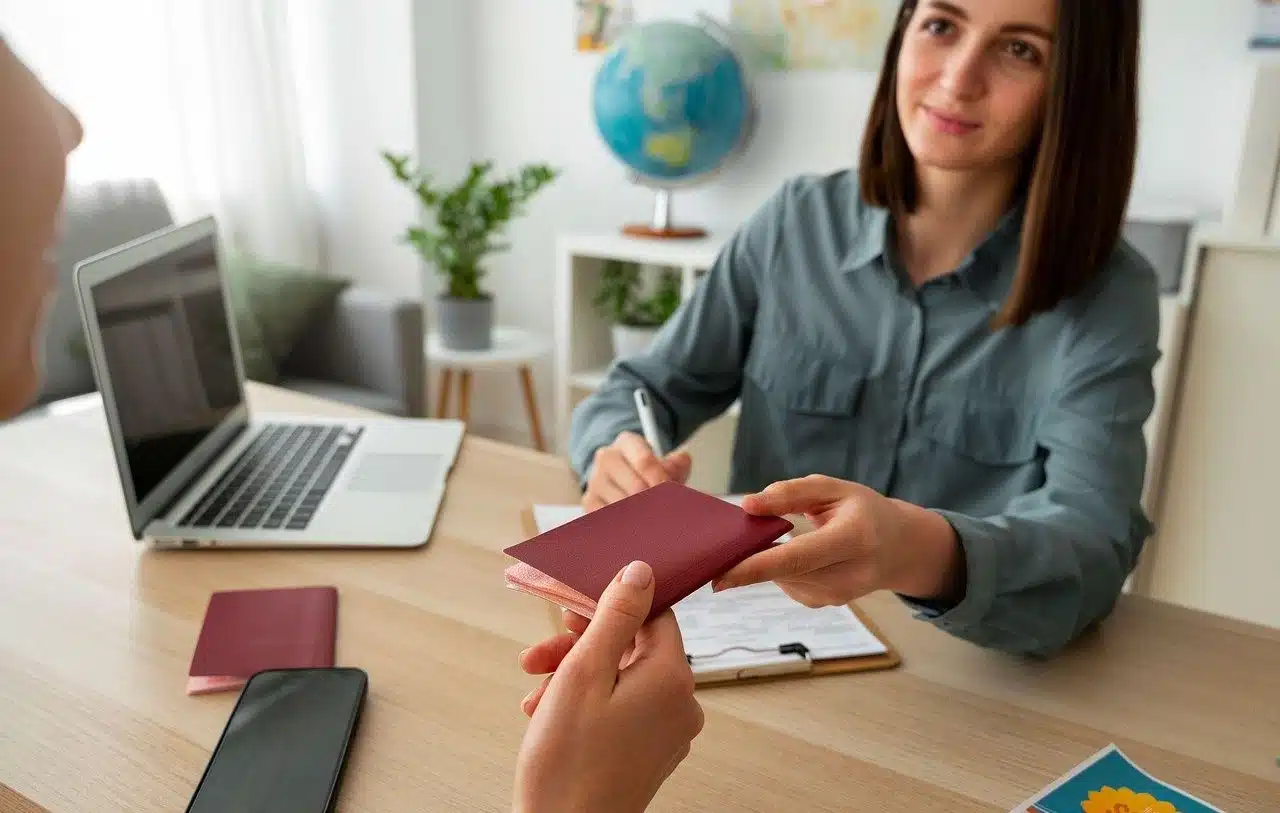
(796, 648)
(780, 666)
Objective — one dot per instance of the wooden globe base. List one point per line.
(660, 225)
(667, 233)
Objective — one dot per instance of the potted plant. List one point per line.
(636, 314)
(468, 220)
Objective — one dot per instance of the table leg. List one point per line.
(442, 400)
(531, 406)
(464, 407)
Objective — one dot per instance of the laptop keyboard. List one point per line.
(278, 482)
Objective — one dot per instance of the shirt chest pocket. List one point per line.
(809, 404)
(982, 432)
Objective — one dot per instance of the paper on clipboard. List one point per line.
(748, 625)
(547, 517)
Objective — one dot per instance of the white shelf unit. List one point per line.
(583, 348)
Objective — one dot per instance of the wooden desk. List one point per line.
(96, 635)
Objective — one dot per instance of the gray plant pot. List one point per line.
(466, 324)
(631, 341)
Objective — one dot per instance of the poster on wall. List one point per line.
(788, 35)
(689, 11)
(1266, 29)
(600, 22)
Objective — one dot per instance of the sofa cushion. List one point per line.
(274, 306)
(352, 396)
(258, 363)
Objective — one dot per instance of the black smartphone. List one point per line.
(285, 746)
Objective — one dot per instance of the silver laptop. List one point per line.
(198, 468)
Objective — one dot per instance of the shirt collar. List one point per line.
(989, 268)
(871, 230)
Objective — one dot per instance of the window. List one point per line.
(108, 61)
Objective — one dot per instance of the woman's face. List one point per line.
(36, 134)
(973, 76)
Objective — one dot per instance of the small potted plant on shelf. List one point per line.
(636, 314)
(468, 220)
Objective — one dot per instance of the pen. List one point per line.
(648, 422)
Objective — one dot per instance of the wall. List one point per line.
(393, 75)
(531, 103)
(1196, 88)
(358, 83)
(443, 33)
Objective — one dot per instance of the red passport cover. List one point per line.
(246, 631)
(689, 538)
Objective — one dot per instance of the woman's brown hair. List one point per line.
(1077, 174)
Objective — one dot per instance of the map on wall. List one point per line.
(816, 34)
(600, 22)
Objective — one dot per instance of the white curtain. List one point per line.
(200, 95)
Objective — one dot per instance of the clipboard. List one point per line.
(794, 658)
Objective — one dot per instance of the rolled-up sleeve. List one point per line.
(1055, 561)
(693, 369)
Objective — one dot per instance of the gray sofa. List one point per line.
(366, 352)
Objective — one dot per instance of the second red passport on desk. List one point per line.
(247, 631)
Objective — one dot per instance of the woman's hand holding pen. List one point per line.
(629, 466)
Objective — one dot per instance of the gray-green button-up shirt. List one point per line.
(1028, 440)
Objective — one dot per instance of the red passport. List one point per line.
(246, 631)
(689, 538)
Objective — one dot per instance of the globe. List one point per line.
(673, 103)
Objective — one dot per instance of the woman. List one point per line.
(607, 735)
(953, 339)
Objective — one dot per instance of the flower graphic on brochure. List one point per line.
(1109, 782)
(1124, 800)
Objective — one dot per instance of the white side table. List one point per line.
(512, 348)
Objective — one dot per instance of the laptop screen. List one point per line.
(167, 343)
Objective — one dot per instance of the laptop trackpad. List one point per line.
(390, 473)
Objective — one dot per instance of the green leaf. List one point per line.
(398, 164)
(620, 299)
(468, 217)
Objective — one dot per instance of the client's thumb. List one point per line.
(621, 611)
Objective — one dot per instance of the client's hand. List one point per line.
(864, 542)
(604, 735)
(629, 466)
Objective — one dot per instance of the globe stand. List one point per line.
(661, 226)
